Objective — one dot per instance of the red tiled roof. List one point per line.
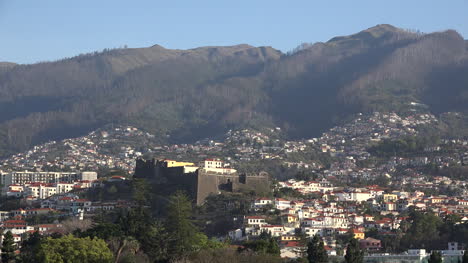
(81, 200)
(291, 243)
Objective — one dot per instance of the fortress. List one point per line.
(199, 181)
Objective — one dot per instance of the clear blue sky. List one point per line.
(40, 30)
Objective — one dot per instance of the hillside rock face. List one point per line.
(188, 94)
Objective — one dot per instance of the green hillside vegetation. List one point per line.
(404, 146)
(183, 95)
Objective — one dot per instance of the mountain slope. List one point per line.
(379, 69)
(154, 87)
(188, 94)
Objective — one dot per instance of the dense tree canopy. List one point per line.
(184, 237)
(465, 257)
(316, 251)
(435, 257)
(403, 146)
(73, 249)
(353, 253)
(263, 246)
(29, 247)
(8, 248)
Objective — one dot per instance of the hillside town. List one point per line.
(337, 211)
(117, 147)
(340, 185)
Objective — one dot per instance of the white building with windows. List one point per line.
(261, 202)
(23, 177)
(255, 220)
(217, 166)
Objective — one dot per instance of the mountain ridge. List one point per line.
(184, 94)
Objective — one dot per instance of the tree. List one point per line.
(154, 242)
(227, 255)
(424, 231)
(103, 231)
(353, 253)
(262, 246)
(134, 225)
(135, 222)
(184, 237)
(112, 190)
(121, 244)
(141, 191)
(8, 247)
(303, 241)
(465, 257)
(73, 249)
(435, 257)
(71, 225)
(29, 247)
(273, 248)
(316, 251)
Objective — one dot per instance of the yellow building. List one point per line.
(289, 238)
(389, 197)
(172, 163)
(357, 234)
(437, 200)
(290, 218)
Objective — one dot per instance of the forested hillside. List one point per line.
(187, 94)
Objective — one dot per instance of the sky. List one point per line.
(46, 30)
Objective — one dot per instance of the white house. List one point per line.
(282, 204)
(255, 220)
(261, 202)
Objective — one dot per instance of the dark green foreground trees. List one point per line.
(8, 247)
(353, 253)
(137, 235)
(465, 257)
(435, 257)
(184, 237)
(266, 245)
(73, 249)
(316, 250)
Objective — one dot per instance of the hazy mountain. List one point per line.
(198, 92)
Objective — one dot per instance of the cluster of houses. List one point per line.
(41, 185)
(354, 137)
(48, 195)
(111, 148)
(338, 211)
(117, 147)
(19, 228)
(34, 191)
(332, 211)
(21, 224)
(350, 143)
(73, 205)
